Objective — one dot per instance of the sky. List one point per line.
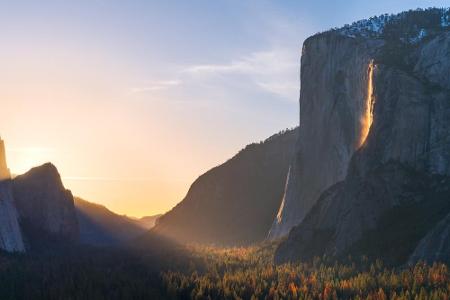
(133, 100)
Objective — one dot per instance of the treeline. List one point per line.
(94, 274)
(211, 273)
(248, 273)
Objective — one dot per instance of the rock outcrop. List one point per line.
(4, 171)
(400, 164)
(435, 245)
(10, 233)
(101, 227)
(382, 215)
(234, 203)
(44, 205)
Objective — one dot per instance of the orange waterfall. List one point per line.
(367, 117)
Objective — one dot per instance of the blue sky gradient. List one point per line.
(175, 87)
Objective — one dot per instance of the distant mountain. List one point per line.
(147, 222)
(371, 173)
(234, 203)
(101, 227)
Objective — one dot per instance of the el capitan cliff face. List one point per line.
(334, 75)
(403, 164)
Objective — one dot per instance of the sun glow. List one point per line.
(367, 117)
(20, 160)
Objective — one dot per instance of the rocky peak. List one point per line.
(4, 171)
(44, 204)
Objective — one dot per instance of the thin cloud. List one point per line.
(155, 86)
(286, 89)
(239, 66)
(275, 71)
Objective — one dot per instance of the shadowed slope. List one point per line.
(100, 226)
(234, 203)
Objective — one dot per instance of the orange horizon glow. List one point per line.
(122, 193)
(367, 118)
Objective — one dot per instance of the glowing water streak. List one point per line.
(367, 117)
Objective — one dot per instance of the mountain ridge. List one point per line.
(233, 203)
(101, 227)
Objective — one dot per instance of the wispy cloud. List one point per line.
(274, 71)
(155, 86)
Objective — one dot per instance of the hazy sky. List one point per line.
(132, 100)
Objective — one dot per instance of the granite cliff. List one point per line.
(11, 238)
(44, 206)
(373, 158)
(34, 208)
(334, 76)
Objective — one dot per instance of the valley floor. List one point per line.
(200, 272)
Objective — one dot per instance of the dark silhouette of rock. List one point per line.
(11, 238)
(434, 247)
(44, 205)
(10, 233)
(101, 227)
(234, 203)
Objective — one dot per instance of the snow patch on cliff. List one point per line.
(366, 28)
(374, 27)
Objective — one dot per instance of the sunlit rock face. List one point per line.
(395, 186)
(335, 116)
(4, 171)
(44, 205)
